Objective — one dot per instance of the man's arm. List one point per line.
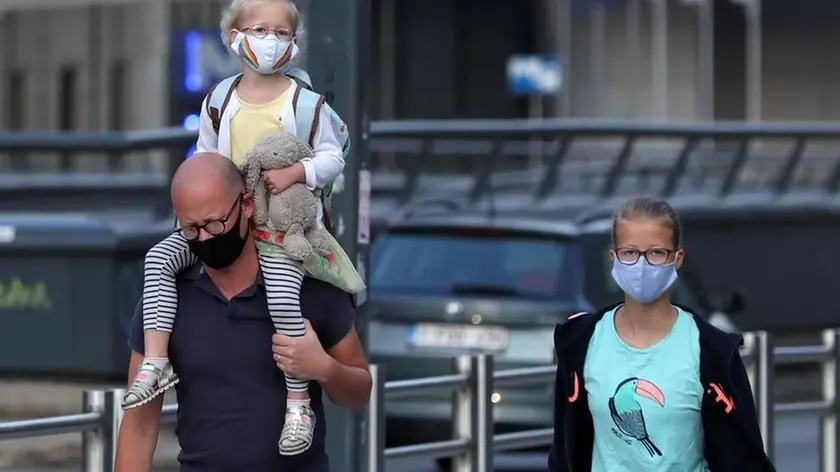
(140, 426)
(347, 381)
(345, 378)
(139, 430)
(330, 352)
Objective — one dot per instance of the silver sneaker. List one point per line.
(151, 381)
(298, 431)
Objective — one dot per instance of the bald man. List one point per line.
(231, 394)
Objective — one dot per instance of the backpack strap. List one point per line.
(301, 77)
(327, 221)
(218, 98)
(307, 105)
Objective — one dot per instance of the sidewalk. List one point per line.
(20, 400)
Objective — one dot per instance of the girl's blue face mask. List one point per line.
(642, 281)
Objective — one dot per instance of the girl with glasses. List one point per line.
(646, 385)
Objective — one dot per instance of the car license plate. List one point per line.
(488, 338)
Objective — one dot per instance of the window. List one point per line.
(16, 93)
(511, 264)
(68, 100)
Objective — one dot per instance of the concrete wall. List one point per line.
(610, 69)
(608, 55)
(102, 67)
(801, 69)
(112, 61)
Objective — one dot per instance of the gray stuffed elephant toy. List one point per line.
(293, 211)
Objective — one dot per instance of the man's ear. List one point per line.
(247, 205)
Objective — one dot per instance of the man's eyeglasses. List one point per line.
(213, 228)
(654, 256)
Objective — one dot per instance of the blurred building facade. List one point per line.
(692, 59)
(73, 65)
(124, 64)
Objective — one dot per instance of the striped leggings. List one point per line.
(283, 279)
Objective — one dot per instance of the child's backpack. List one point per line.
(307, 105)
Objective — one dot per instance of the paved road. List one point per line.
(797, 450)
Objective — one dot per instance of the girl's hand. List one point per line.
(278, 180)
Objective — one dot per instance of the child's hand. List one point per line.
(278, 180)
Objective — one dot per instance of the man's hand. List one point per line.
(301, 357)
(278, 180)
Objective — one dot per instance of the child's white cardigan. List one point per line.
(323, 168)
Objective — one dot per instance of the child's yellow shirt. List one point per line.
(254, 122)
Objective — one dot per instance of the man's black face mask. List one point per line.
(223, 250)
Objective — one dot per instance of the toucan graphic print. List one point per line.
(627, 413)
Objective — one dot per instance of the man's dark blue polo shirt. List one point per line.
(232, 396)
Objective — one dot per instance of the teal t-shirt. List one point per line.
(645, 403)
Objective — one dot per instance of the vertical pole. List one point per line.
(99, 447)
(114, 405)
(387, 65)
(339, 62)
(758, 353)
(376, 421)
(598, 55)
(564, 51)
(748, 354)
(706, 59)
(98, 67)
(830, 427)
(482, 421)
(462, 415)
(93, 442)
(633, 55)
(752, 15)
(659, 59)
(8, 63)
(764, 392)
(705, 80)
(754, 62)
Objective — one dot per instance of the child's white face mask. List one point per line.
(268, 55)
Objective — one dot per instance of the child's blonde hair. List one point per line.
(230, 17)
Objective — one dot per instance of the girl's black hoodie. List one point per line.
(731, 433)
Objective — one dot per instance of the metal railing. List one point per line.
(600, 158)
(474, 443)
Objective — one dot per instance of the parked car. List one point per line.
(456, 282)
(447, 285)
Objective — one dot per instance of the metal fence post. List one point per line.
(764, 389)
(473, 414)
(376, 421)
(748, 355)
(99, 446)
(461, 417)
(831, 385)
(482, 414)
(758, 361)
